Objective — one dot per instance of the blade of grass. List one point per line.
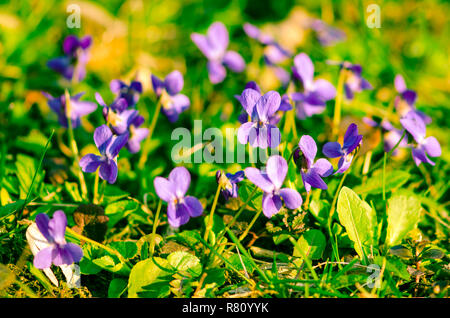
(243, 251)
(27, 199)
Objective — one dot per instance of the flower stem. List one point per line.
(102, 191)
(88, 240)
(230, 225)
(384, 176)
(73, 146)
(293, 126)
(151, 129)
(155, 225)
(243, 235)
(375, 166)
(211, 215)
(95, 199)
(338, 103)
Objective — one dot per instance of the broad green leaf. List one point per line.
(401, 251)
(241, 263)
(94, 256)
(319, 209)
(215, 276)
(312, 243)
(113, 194)
(246, 189)
(116, 287)
(128, 249)
(87, 267)
(25, 170)
(144, 274)
(119, 210)
(186, 264)
(359, 220)
(34, 142)
(278, 239)
(12, 207)
(394, 179)
(433, 253)
(160, 288)
(189, 237)
(394, 266)
(403, 214)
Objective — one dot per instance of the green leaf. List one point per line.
(278, 239)
(215, 276)
(403, 214)
(394, 179)
(401, 251)
(394, 266)
(116, 287)
(113, 194)
(312, 243)
(241, 263)
(128, 249)
(25, 170)
(87, 267)
(319, 209)
(34, 142)
(160, 288)
(246, 189)
(186, 264)
(433, 253)
(119, 210)
(99, 257)
(145, 274)
(189, 237)
(359, 220)
(11, 207)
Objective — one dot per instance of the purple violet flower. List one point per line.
(229, 183)
(77, 109)
(173, 103)
(425, 146)
(274, 53)
(173, 190)
(312, 171)
(354, 82)
(271, 182)
(75, 59)
(59, 252)
(137, 135)
(109, 146)
(214, 46)
(315, 92)
(130, 93)
(117, 114)
(345, 152)
(259, 132)
(404, 103)
(326, 34)
(276, 117)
